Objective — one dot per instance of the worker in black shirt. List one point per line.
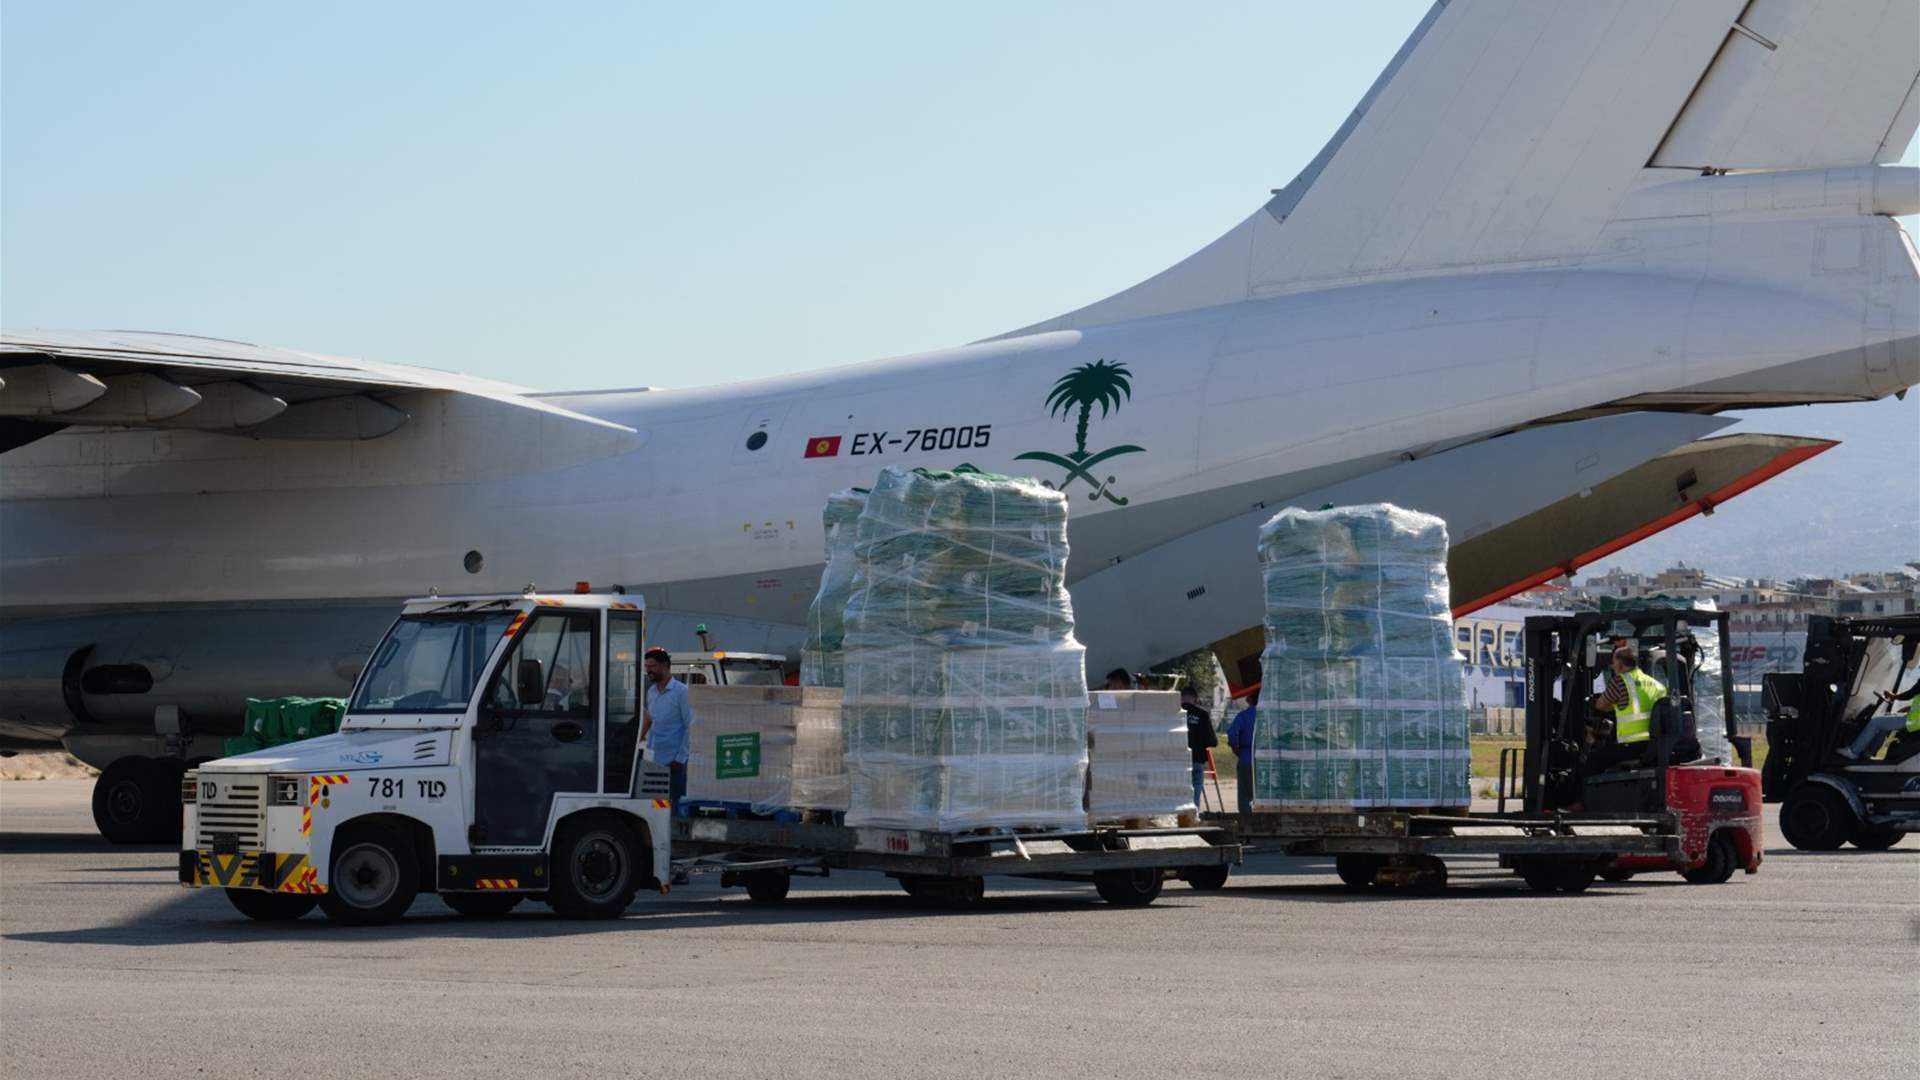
(1200, 740)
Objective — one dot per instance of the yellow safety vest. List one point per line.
(1913, 715)
(1633, 722)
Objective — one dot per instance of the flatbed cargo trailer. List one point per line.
(1554, 852)
(1126, 866)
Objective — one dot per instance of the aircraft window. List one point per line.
(429, 664)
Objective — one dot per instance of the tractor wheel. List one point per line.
(1816, 818)
(375, 876)
(1719, 865)
(482, 905)
(262, 906)
(1876, 837)
(1615, 874)
(596, 867)
(1538, 873)
(1357, 871)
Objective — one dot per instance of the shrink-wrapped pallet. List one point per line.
(966, 693)
(1362, 698)
(821, 659)
(771, 748)
(1140, 764)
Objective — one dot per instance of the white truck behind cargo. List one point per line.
(489, 754)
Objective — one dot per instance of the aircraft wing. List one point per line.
(49, 379)
(1522, 510)
(1512, 132)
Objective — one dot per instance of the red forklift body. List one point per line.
(1709, 799)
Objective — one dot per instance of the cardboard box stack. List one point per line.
(821, 660)
(1362, 699)
(1140, 765)
(772, 748)
(966, 693)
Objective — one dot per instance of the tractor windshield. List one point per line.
(429, 663)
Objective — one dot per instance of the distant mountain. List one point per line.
(1855, 507)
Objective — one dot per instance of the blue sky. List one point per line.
(583, 195)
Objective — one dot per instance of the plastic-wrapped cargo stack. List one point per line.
(821, 660)
(1362, 699)
(966, 693)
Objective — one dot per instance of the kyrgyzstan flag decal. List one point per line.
(823, 446)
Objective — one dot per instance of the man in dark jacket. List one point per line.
(1200, 740)
(1240, 741)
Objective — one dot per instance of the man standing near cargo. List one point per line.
(1240, 741)
(668, 719)
(1200, 740)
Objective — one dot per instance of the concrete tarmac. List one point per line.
(1809, 968)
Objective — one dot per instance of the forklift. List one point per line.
(1573, 763)
(1828, 799)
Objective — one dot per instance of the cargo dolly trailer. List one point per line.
(1557, 852)
(1127, 867)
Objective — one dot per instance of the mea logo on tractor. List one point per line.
(1075, 394)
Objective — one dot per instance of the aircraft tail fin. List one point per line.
(1509, 132)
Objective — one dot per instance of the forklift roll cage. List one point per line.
(1565, 650)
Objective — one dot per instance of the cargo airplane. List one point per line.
(1549, 244)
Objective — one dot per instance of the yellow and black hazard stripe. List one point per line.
(266, 870)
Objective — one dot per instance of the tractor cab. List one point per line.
(1693, 763)
(720, 668)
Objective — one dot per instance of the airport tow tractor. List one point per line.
(1826, 798)
(724, 668)
(1564, 769)
(488, 754)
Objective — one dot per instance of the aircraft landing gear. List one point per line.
(136, 800)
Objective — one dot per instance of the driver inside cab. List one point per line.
(1629, 696)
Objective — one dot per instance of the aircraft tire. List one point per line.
(136, 800)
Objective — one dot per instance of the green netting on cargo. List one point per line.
(966, 693)
(273, 721)
(1362, 699)
(821, 660)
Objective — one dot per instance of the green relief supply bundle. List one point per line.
(273, 722)
(821, 659)
(1362, 699)
(966, 694)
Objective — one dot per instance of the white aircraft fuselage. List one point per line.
(224, 566)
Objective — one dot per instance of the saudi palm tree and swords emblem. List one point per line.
(1076, 393)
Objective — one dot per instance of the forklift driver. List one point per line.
(1630, 695)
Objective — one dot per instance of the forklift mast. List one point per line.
(1566, 655)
